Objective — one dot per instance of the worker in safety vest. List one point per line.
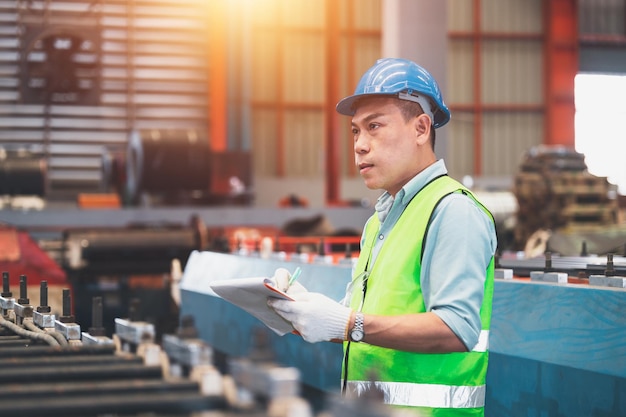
(415, 319)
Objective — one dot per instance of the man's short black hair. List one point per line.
(411, 109)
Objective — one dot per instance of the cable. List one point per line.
(60, 338)
(28, 334)
(56, 335)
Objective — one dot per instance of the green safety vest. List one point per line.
(439, 384)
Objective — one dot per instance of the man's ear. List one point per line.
(422, 126)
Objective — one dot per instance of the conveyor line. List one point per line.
(57, 351)
(79, 373)
(56, 361)
(115, 404)
(87, 388)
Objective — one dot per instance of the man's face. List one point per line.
(388, 150)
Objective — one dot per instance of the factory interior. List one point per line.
(149, 148)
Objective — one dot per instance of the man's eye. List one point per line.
(355, 131)
(373, 126)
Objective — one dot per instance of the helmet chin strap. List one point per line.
(422, 101)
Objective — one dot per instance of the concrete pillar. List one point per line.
(417, 30)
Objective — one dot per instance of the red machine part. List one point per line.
(20, 255)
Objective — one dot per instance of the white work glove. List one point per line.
(281, 280)
(315, 316)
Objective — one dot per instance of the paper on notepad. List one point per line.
(251, 295)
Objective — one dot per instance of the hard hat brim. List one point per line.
(345, 106)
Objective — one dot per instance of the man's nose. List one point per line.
(360, 143)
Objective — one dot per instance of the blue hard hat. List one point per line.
(403, 79)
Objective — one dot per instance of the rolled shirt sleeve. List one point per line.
(460, 243)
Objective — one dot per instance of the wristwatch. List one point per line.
(357, 333)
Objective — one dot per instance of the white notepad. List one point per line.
(251, 295)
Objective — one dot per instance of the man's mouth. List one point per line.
(364, 166)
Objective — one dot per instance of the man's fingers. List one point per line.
(279, 305)
(281, 277)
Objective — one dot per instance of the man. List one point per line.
(417, 324)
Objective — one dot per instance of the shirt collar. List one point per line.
(406, 193)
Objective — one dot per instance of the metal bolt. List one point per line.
(43, 298)
(23, 291)
(548, 266)
(5, 285)
(610, 267)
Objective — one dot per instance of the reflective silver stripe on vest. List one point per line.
(421, 395)
(483, 342)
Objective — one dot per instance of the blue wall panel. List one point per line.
(525, 387)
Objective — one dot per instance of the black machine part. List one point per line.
(167, 161)
(140, 248)
(22, 174)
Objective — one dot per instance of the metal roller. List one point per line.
(95, 387)
(74, 360)
(130, 248)
(22, 174)
(79, 373)
(160, 161)
(113, 166)
(34, 351)
(174, 403)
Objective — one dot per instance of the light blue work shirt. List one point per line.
(460, 242)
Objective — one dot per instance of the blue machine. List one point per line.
(555, 349)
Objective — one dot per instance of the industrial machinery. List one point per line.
(51, 366)
(126, 263)
(178, 167)
(141, 260)
(556, 192)
(22, 173)
(23, 179)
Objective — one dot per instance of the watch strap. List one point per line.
(358, 328)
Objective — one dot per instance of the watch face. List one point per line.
(356, 335)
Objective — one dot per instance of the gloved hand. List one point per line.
(315, 316)
(281, 278)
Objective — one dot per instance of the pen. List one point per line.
(294, 276)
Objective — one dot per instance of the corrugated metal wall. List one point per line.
(151, 69)
(500, 51)
(495, 84)
(360, 47)
(602, 29)
(606, 17)
(289, 79)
